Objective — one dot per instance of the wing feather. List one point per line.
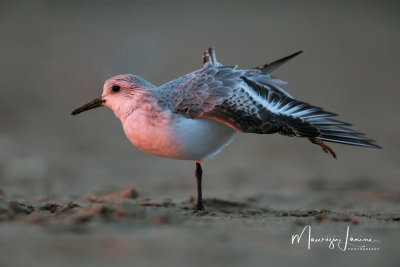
(251, 101)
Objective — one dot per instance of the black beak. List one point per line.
(95, 103)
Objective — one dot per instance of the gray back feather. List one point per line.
(200, 91)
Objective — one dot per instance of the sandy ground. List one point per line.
(73, 192)
(121, 228)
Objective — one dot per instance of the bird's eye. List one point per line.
(115, 88)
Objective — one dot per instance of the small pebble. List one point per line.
(129, 192)
(19, 208)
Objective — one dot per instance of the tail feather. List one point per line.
(318, 124)
(341, 130)
(349, 142)
(328, 122)
(332, 131)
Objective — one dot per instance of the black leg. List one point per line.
(199, 173)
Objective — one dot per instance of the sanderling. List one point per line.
(194, 116)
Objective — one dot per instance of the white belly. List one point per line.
(175, 136)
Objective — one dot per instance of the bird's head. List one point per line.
(121, 93)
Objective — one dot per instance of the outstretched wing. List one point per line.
(252, 101)
(255, 108)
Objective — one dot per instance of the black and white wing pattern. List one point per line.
(252, 101)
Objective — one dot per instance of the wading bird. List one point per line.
(194, 116)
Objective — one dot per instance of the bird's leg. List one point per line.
(324, 147)
(199, 173)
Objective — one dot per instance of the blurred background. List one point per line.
(56, 55)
